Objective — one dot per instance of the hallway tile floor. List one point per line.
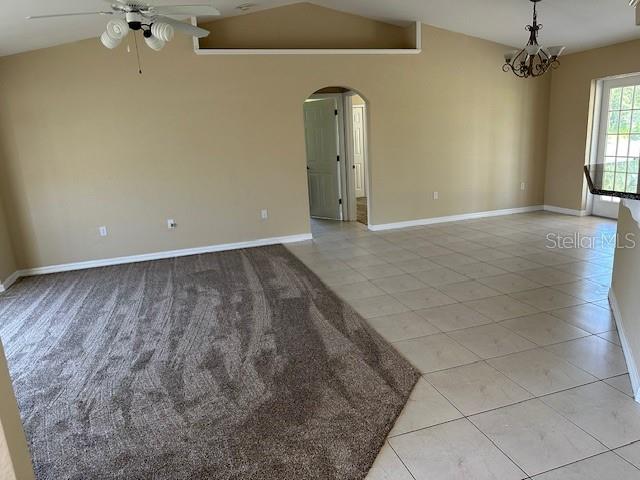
(523, 373)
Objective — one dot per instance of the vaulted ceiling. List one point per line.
(578, 24)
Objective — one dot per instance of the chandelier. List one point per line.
(532, 60)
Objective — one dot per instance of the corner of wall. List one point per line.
(14, 451)
(545, 192)
(8, 258)
(629, 354)
(8, 266)
(623, 297)
(634, 208)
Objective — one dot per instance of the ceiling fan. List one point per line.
(153, 20)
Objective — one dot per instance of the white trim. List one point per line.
(632, 366)
(347, 99)
(419, 37)
(9, 281)
(566, 211)
(309, 51)
(155, 256)
(349, 141)
(454, 218)
(591, 147)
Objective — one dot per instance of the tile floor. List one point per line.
(523, 373)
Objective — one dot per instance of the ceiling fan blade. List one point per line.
(182, 27)
(36, 17)
(189, 10)
(121, 3)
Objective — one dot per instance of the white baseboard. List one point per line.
(9, 281)
(566, 211)
(67, 267)
(453, 218)
(629, 356)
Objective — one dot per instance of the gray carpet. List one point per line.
(235, 365)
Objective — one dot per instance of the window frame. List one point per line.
(601, 126)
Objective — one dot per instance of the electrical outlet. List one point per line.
(264, 214)
(523, 186)
(436, 195)
(171, 224)
(103, 231)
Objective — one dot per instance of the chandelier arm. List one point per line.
(507, 66)
(522, 53)
(540, 68)
(521, 74)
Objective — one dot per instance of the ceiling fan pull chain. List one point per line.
(135, 39)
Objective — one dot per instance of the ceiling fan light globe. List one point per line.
(108, 41)
(163, 31)
(154, 43)
(117, 29)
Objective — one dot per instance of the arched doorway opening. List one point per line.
(337, 155)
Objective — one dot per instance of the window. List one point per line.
(619, 135)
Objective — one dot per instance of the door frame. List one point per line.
(597, 206)
(601, 89)
(342, 151)
(351, 193)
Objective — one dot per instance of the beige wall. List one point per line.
(569, 116)
(7, 260)
(626, 278)
(15, 463)
(304, 25)
(211, 140)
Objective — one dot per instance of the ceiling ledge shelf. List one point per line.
(311, 51)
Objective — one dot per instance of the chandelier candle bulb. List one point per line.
(555, 52)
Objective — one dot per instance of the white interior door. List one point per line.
(323, 167)
(359, 160)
